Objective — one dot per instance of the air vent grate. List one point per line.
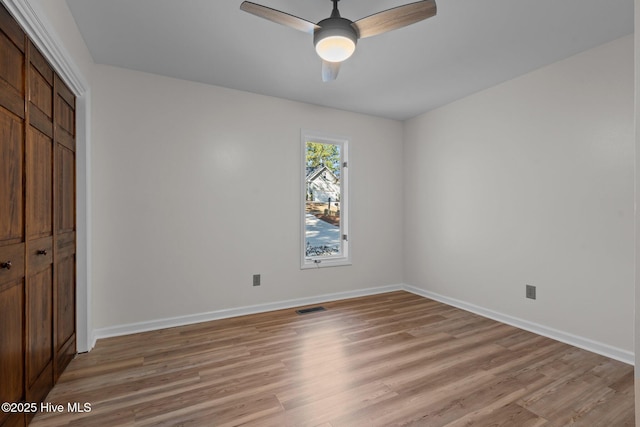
(310, 310)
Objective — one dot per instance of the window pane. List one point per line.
(322, 200)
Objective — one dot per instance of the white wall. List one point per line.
(531, 182)
(196, 188)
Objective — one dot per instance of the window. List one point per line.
(325, 208)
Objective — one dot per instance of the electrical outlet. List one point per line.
(256, 280)
(531, 292)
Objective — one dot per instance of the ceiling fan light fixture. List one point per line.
(335, 40)
(335, 48)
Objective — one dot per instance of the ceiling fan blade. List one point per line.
(397, 17)
(279, 17)
(330, 70)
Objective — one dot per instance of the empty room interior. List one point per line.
(206, 221)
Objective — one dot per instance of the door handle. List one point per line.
(6, 265)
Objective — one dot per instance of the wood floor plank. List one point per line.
(508, 415)
(339, 403)
(382, 360)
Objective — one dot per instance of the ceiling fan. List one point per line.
(335, 38)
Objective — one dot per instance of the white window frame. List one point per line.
(344, 258)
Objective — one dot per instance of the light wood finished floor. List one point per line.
(384, 360)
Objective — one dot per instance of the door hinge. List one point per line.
(344, 237)
(344, 165)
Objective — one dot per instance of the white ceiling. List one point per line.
(468, 46)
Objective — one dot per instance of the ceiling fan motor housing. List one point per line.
(342, 35)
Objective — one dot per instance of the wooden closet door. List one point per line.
(39, 228)
(12, 248)
(65, 227)
(37, 222)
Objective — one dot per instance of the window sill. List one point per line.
(308, 264)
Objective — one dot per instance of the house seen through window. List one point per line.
(325, 208)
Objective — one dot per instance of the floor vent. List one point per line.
(310, 310)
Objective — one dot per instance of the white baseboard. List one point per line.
(577, 341)
(574, 340)
(171, 322)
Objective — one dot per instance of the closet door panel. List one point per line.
(11, 65)
(12, 45)
(40, 93)
(65, 312)
(39, 196)
(41, 84)
(10, 28)
(65, 226)
(65, 190)
(65, 110)
(11, 350)
(11, 181)
(39, 185)
(11, 76)
(66, 298)
(39, 334)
